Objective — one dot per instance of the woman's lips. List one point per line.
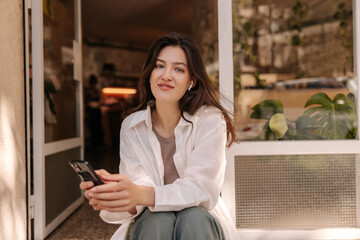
(165, 86)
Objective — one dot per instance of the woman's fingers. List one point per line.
(109, 195)
(94, 206)
(102, 172)
(86, 185)
(111, 204)
(114, 206)
(110, 187)
(86, 194)
(114, 177)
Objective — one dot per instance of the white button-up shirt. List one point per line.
(199, 160)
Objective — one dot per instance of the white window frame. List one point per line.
(280, 147)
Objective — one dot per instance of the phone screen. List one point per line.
(85, 171)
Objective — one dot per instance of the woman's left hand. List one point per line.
(120, 194)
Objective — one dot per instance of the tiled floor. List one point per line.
(85, 223)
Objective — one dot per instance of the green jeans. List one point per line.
(192, 223)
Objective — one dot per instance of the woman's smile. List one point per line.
(165, 86)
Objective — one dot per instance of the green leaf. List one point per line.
(278, 125)
(315, 112)
(336, 118)
(305, 122)
(265, 134)
(308, 136)
(351, 97)
(321, 99)
(266, 109)
(248, 27)
(308, 128)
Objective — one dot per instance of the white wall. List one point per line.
(12, 122)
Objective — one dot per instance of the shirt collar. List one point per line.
(145, 116)
(188, 117)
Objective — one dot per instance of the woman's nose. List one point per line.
(167, 75)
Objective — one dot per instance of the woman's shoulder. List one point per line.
(208, 121)
(209, 114)
(208, 110)
(134, 118)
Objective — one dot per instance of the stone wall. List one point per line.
(12, 131)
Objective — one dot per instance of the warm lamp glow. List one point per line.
(118, 91)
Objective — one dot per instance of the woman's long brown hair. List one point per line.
(203, 93)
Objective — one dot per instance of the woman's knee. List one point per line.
(152, 225)
(155, 219)
(194, 215)
(196, 223)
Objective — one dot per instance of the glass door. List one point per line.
(290, 69)
(56, 110)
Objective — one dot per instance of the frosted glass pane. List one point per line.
(296, 191)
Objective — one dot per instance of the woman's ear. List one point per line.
(192, 83)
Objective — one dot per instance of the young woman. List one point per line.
(172, 151)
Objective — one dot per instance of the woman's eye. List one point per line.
(179, 70)
(159, 66)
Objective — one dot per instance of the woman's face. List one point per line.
(170, 79)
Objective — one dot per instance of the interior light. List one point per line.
(118, 91)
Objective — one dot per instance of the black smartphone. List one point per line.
(85, 171)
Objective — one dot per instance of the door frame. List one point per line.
(40, 148)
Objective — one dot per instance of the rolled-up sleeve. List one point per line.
(202, 180)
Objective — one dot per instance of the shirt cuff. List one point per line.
(119, 217)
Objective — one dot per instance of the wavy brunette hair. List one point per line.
(203, 93)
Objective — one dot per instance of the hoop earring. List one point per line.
(190, 85)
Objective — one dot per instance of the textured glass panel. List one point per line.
(286, 52)
(61, 182)
(296, 191)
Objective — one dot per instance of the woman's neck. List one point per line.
(165, 118)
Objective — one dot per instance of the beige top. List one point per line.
(168, 148)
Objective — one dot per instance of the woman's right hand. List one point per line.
(86, 186)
